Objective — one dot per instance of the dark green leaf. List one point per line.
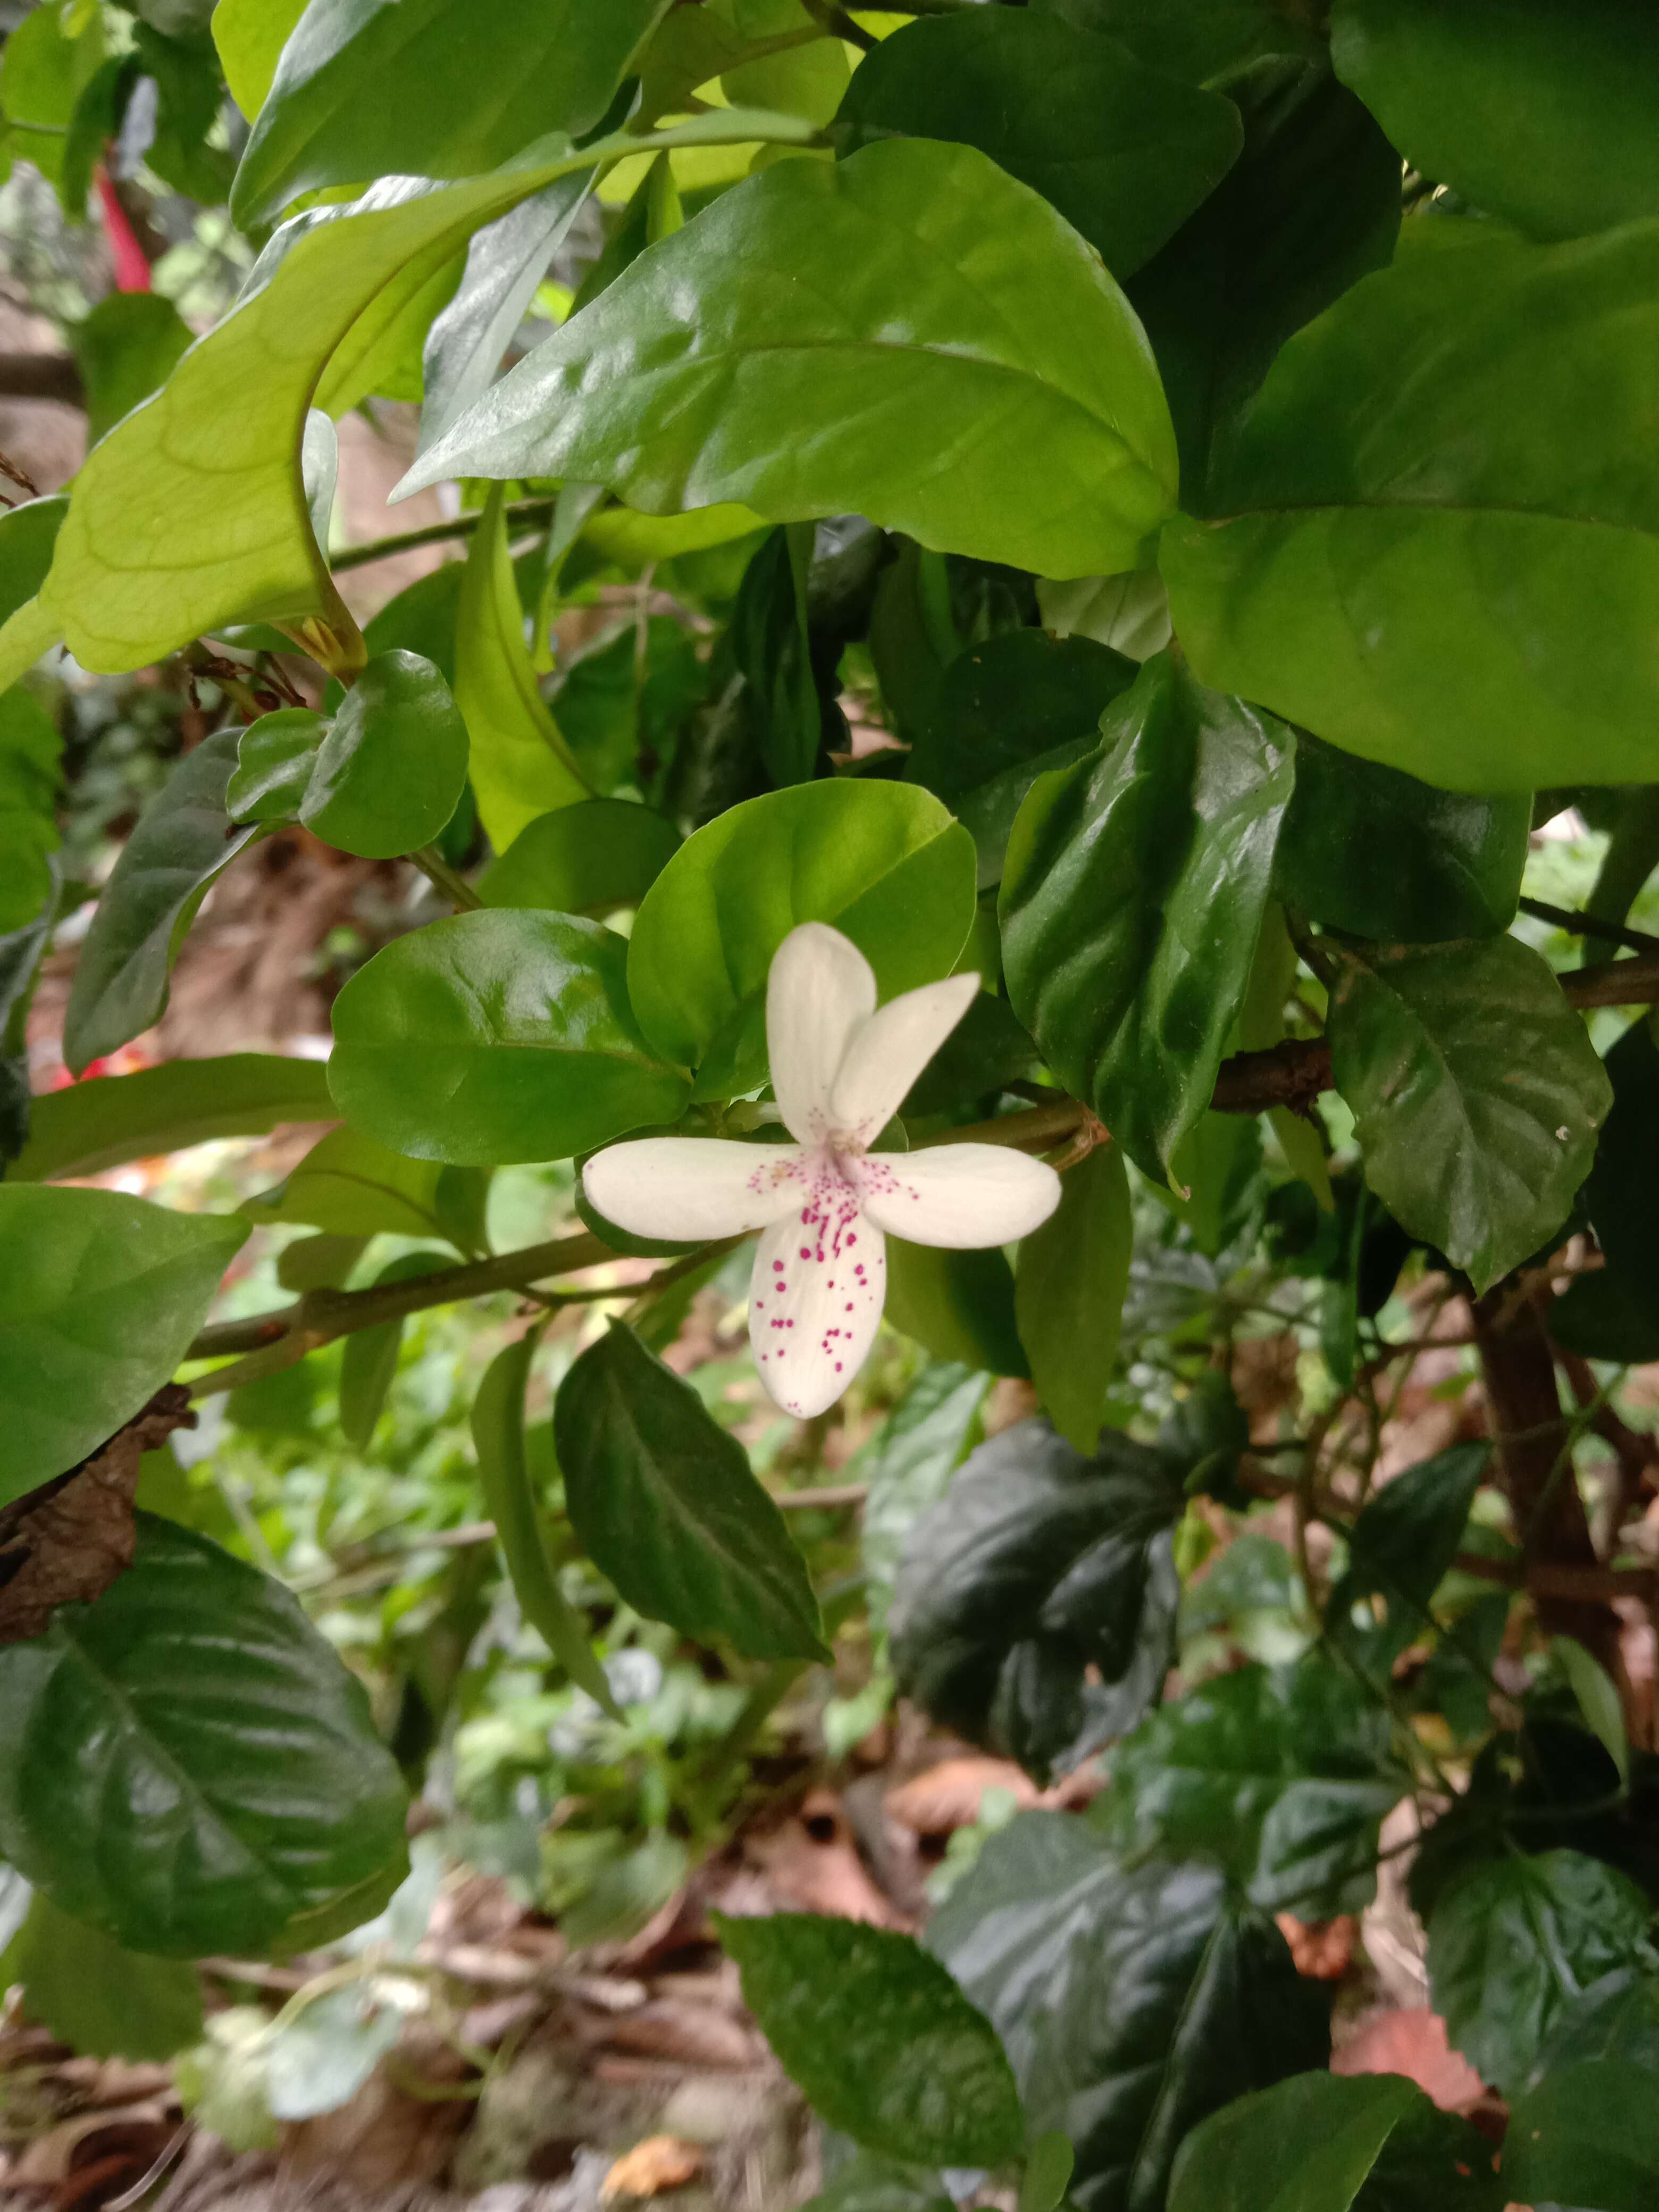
(1605, 1315)
(1616, 2017)
(1476, 1093)
(1200, 39)
(1132, 896)
(102, 2001)
(883, 2043)
(28, 534)
(89, 1126)
(368, 1362)
(126, 348)
(665, 1504)
(497, 1037)
(1132, 2002)
(422, 619)
(21, 951)
(1401, 1550)
(588, 859)
(986, 1050)
(1035, 1604)
(274, 761)
(390, 771)
(773, 646)
(30, 751)
(1622, 1188)
(907, 1465)
(1125, 153)
(956, 1305)
(135, 1763)
(1588, 2135)
(1068, 1297)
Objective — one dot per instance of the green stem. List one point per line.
(1600, 926)
(1631, 859)
(439, 874)
(525, 511)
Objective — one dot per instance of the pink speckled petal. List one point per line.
(820, 988)
(815, 1298)
(960, 1195)
(684, 1188)
(888, 1052)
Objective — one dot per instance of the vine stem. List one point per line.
(525, 511)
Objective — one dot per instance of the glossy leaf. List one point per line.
(99, 1295)
(368, 1358)
(881, 2039)
(1133, 894)
(497, 1037)
(30, 751)
(1616, 2017)
(102, 2001)
(772, 644)
(28, 533)
(135, 1783)
(587, 859)
(872, 2184)
(886, 865)
(666, 1507)
(956, 1305)
(390, 772)
(89, 1126)
(125, 349)
(183, 841)
(908, 1464)
(274, 761)
(1073, 461)
(1035, 1602)
(1132, 2002)
(1352, 584)
(1125, 153)
(1476, 1094)
(1071, 1278)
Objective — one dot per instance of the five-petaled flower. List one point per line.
(827, 1204)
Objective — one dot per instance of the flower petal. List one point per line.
(683, 1188)
(960, 1195)
(815, 1302)
(888, 1051)
(819, 988)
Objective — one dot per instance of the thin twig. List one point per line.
(524, 511)
(1587, 924)
(442, 877)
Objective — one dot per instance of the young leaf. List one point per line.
(1401, 1550)
(1068, 1295)
(390, 772)
(161, 1699)
(496, 1036)
(884, 2044)
(274, 761)
(908, 1464)
(103, 2000)
(1476, 1093)
(666, 1507)
(588, 859)
(1073, 464)
(89, 1126)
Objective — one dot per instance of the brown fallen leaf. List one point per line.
(68, 1540)
(652, 2168)
(948, 1797)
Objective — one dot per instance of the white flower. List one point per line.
(826, 1203)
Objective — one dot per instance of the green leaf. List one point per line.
(1542, 113)
(1598, 1699)
(99, 1295)
(125, 349)
(1476, 1093)
(587, 859)
(873, 2184)
(250, 36)
(183, 843)
(771, 642)
(102, 2001)
(805, 80)
(1125, 153)
(986, 1051)
(881, 2039)
(30, 751)
(368, 1359)
(319, 2060)
(666, 1507)
(135, 1763)
(1401, 1549)
(390, 772)
(1352, 584)
(1049, 2165)
(1133, 895)
(1072, 1276)
(21, 951)
(44, 71)
(956, 1305)
(498, 1439)
(1073, 460)
(428, 89)
(1006, 711)
(1616, 2017)
(885, 864)
(1283, 1775)
(1622, 1187)
(907, 1465)
(497, 1037)
(274, 762)
(521, 765)
(1036, 1606)
(1588, 2135)
(1200, 39)
(28, 535)
(1513, 1940)
(89, 1126)
(1132, 2002)
(349, 1186)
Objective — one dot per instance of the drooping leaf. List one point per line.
(89, 1126)
(1476, 1094)
(1069, 402)
(586, 859)
(104, 2002)
(368, 1359)
(389, 774)
(1125, 153)
(1072, 1275)
(1132, 2002)
(665, 1505)
(134, 1784)
(1133, 893)
(497, 1037)
(956, 1305)
(883, 2043)
(1036, 1603)
(125, 349)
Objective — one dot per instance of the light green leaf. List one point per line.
(250, 36)
(30, 751)
(1049, 2165)
(1069, 1288)
(1598, 1698)
(349, 1186)
(391, 770)
(368, 1359)
(103, 2000)
(587, 859)
(89, 1126)
(958, 1306)
(321, 2059)
(1072, 454)
(99, 1295)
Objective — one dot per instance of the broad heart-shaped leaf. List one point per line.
(136, 1744)
(1369, 849)
(1133, 894)
(1476, 1093)
(1350, 581)
(431, 88)
(102, 2001)
(1035, 1604)
(1322, 2143)
(99, 1295)
(881, 2039)
(184, 839)
(89, 1126)
(1542, 113)
(892, 289)
(1072, 1279)
(390, 771)
(1202, 40)
(1282, 1774)
(1513, 1940)
(1007, 710)
(885, 863)
(665, 1505)
(1124, 152)
(588, 859)
(907, 1465)
(1590, 2135)
(1133, 2000)
(497, 1037)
